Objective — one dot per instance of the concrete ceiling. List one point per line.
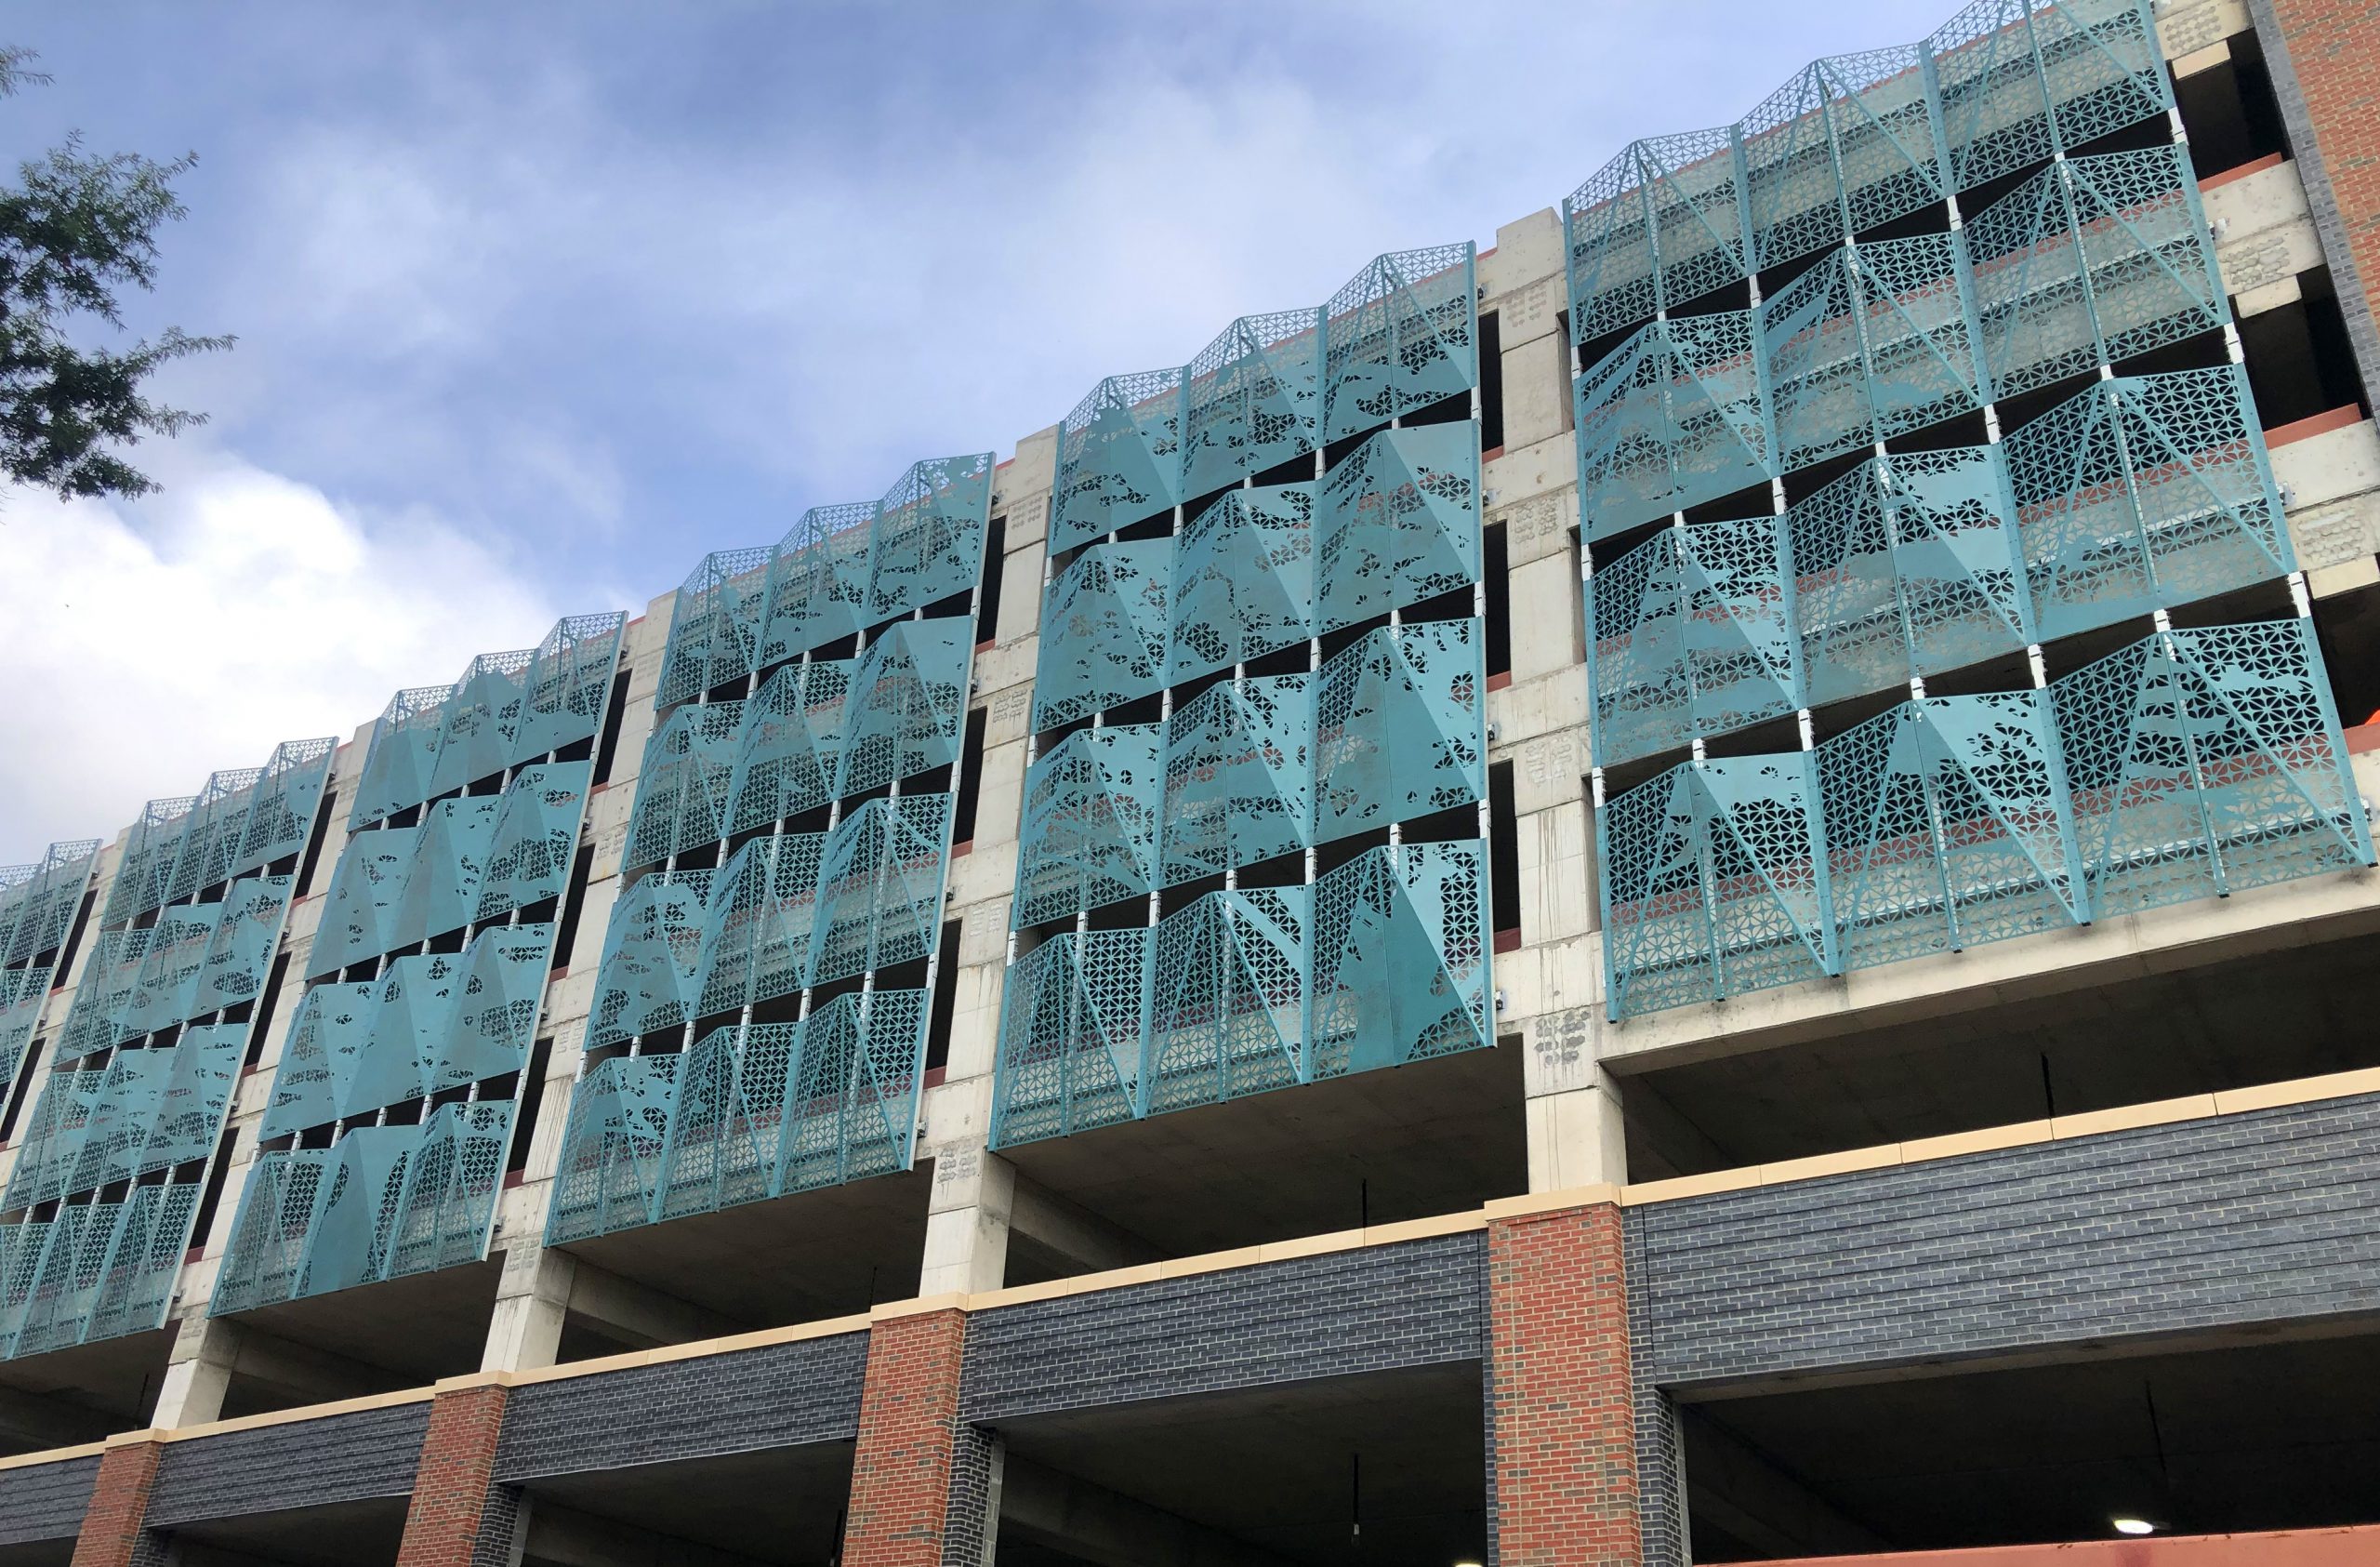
(345, 1535)
(791, 1259)
(1437, 1136)
(2294, 1013)
(1272, 1467)
(2251, 1436)
(778, 1506)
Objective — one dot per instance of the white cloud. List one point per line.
(237, 609)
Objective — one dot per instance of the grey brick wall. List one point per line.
(1421, 1303)
(2206, 1224)
(306, 1462)
(44, 1501)
(789, 1393)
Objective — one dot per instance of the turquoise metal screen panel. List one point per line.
(1661, 224)
(1400, 967)
(757, 928)
(469, 861)
(507, 710)
(243, 821)
(1850, 142)
(1675, 417)
(568, 687)
(2020, 80)
(748, 1113)
(787, 748)
(1399, 523)
(908, 704)
(715, 623)
(2186, 766)
(1089, 834)
(1238, 777)
(433, 1022)
(1252, 399)
(2205, 761)
(1104, 631)
(446, 1207)
(1907, 565)
(817, 590)
(481, 720)
(1243, 580)
(930, 534)
(1398, 728)
(651, 957)
(2144, 492)
(398, 767)
(1691, 634)
(95, 1271)
(528, 858)
(197, 959)
(1875, 340)
(1948, 825)
(1228, 997)
(380, 1202)
(683, 784)
(1381, 962)
(147, 866)
(2138, 493)
(1073, 1023)
(879, 886)
(146, 1111)
(1401, 335)
(1713, 883)
(23, 993)
(2093, 261)
(1120, 457)
(610, 1175)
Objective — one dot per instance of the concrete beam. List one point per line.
(301, 1372)
(1745, 1492)
(33, 1421)
(1043, 1507)
(639, 1314)
(1092, 1245)
(568, 1538)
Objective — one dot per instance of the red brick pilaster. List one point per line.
(449, 1511)
(112, 1520)
(2330, 47)
(909, 1441)
(1563, 1406)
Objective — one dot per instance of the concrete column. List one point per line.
(1561, 1398)
(968, 1220)
(198, 1372)
(457, 1515)
(114, 1533)
(1577, 1135)
(922, 1480)
(532, 1300)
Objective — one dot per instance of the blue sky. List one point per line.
(536, 303)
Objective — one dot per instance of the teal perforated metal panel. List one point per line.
(1399, 523)
(1380, 962)
(748, 1113)
(1401, 335)
(507, 710)
(1104, 631)
(1238, 777)
(95, 1270)
(1089, 833)
(380, 1202)
(1242, 580)
(2186, 766)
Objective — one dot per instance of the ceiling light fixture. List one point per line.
(2133, 1526)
